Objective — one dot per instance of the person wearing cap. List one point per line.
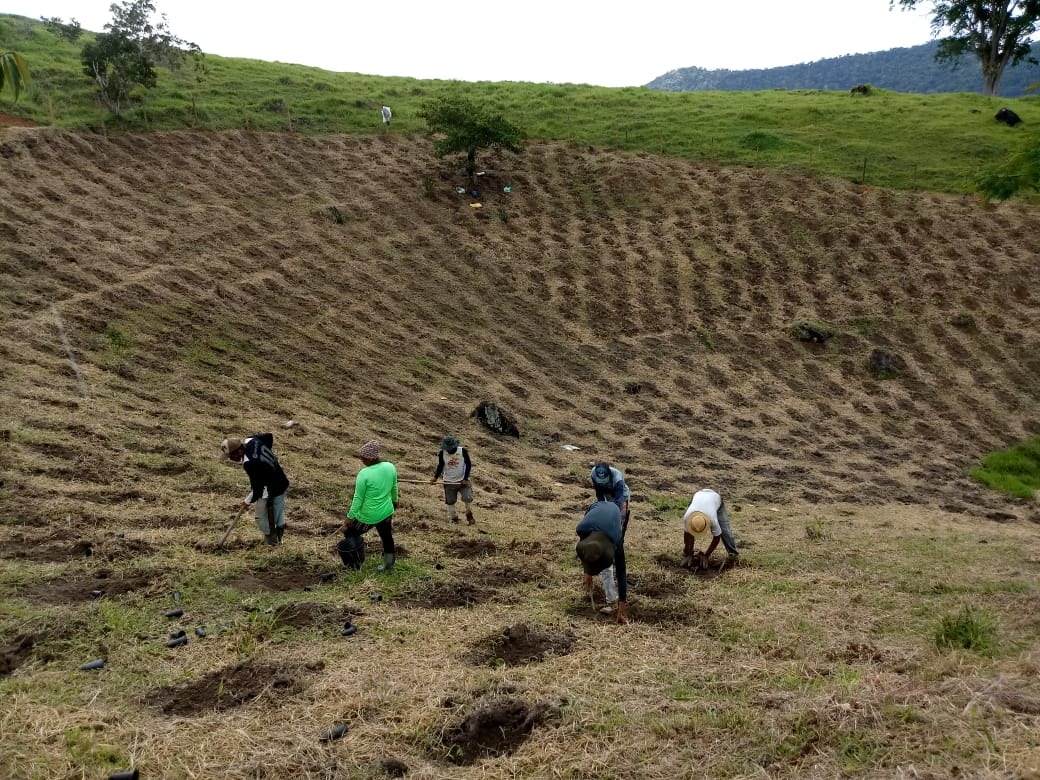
(609, 484)
(601, 544)
(267, 481)
(706, 516)
(453, 464)
(374, 502)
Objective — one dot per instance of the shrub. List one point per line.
(1015, 471)
(969, 630)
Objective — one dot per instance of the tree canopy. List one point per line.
(995, 31)
(468, 127)
(126, 55)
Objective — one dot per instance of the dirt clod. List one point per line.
(227, 689)
(495, 727)
(307, 614)
(393, 767)
(522, 644)
(14, 655)
(470, 548)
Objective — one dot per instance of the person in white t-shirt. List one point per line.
(706, 516)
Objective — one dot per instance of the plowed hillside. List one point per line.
(636, 307)
(161, 292)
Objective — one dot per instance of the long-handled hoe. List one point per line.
(229, 529)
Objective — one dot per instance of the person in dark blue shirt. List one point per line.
(601, 544)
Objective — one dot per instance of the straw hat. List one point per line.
(697, 524)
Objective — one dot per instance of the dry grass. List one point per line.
(204, 294)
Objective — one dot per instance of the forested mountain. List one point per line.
(912, 69)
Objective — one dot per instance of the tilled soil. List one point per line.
(491, 727)
(229, 688)
(283, 577)
(66, 590)
(453, 595)
(522, 644)
(306, 614)
(16, 653)
(470, 548)
(58, 550)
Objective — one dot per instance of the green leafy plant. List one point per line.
(14, 72)
(968, 630)
(467, 127)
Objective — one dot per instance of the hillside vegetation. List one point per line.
(901, 141)
(835, 357)
(165, 290)
(909, 69)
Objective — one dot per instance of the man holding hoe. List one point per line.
(267, 481)
(454, 465)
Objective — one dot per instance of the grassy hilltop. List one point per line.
(903, 141)
(165, 287)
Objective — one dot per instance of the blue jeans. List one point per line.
(278, 504)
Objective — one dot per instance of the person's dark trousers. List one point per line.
(385, 530)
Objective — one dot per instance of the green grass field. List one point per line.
(901, 141)
(1015, 471)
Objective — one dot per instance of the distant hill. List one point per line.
(912, 69)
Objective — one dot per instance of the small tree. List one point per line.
(13, 71)
(127, 54)
(995, 31)
(68, 31)
(468, 128)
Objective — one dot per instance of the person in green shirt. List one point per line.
(374, 504)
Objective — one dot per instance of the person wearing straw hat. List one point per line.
(454, 465)
(601, 544)
(267, 481)
(374, 503)
(705, 517)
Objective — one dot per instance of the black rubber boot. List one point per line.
(388, 562)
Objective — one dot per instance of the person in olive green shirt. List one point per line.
(374, 502)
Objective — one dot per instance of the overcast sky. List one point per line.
(605, 42)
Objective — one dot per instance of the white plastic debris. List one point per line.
(570, 447)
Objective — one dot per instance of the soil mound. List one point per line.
(452, 595)
(470, 548)
(499, 575)
(309, 614)
(282, 577)
(102, 584)
(15, 654)
(56, 549)
(656, 586)
(495, 727)
(522, 644)
(228, 688)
